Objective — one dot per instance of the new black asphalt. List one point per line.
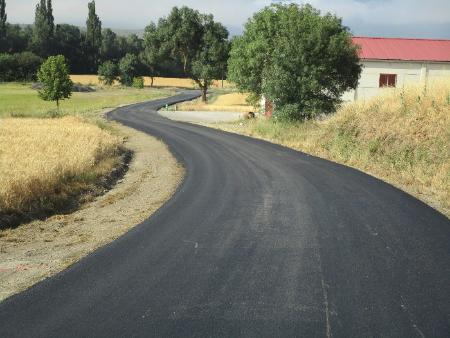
(259, 241)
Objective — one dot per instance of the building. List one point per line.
(395, 62)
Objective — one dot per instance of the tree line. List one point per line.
(184, 44)
(292, 55)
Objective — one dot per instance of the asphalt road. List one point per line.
(259, 241)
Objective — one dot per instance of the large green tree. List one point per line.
(182, 34)
(110, 50)
(68, 42)
(44, 27)
(93, 37)
(210, 59)
(197, 42)
(297, 58)
(55, 79)
(153, 55)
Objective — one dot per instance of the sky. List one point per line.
(390, 18)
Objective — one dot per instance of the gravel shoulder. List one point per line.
(40, 249)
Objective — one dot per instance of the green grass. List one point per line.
(19, 100)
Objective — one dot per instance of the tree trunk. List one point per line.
(204, 92)
(184, 64)
(152, 78)
(57, 105)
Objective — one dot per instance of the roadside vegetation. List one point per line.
(302, 79)
(52, 160)
(45, 163)
(402, 137)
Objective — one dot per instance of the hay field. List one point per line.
(19, 100)
(232, 102)
(44, 162)
(157, 82)
(402, 137)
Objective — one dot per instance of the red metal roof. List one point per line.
(403, 49)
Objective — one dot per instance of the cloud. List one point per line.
(365, 17)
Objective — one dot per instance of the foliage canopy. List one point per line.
(55, 79)
(300, 60)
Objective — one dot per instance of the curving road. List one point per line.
(259, 241)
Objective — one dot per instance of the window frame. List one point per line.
(387, 80)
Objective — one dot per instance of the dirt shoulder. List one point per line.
(40, 249)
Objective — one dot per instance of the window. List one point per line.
(388, 80)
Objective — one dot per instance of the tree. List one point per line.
(110, 46)
(43, 28)
(153, 55)
(182, 34)
(17, 39)
(55, 79)
(68, 42)
(128, 69)
(108, 73)
(304, 78)
(134, 44)
(93, 37)
(3, 18)
(211, 56)
(194, 40)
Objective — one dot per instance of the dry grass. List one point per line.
(45, 161)
(157, 81)
(232, 102)
(402, 137)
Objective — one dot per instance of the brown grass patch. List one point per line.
(45, 161)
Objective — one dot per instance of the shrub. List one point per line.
(19, 66)
(108, 73)
(138, 82)
(128, 69)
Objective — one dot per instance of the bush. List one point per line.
(128, 69)
(288, 112)
(138, 82)
(19, 66)
(108, 73)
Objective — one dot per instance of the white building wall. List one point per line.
(407, 73)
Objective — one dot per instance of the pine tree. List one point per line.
(93, 37)
(3, 17)
(43, 28)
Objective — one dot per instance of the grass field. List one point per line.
(19, 100)
(46, 163)
(402, 137)
(157, 82)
